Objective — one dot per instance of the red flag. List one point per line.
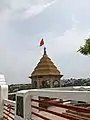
(42, 42)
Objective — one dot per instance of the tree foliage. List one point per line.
(85, 49)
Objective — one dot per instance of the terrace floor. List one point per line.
(48, 115)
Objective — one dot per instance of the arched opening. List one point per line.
(46, 84)
(56, 83)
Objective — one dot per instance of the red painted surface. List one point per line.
(78, 109)
(38, 115)
(57, 114)
(84, 111)
(8, 112)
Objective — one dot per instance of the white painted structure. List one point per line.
(2, 80)
(3, 93)
(78, 93)
(73, 88)
(62, 94)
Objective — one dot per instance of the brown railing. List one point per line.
(8, 111)
(71, 112)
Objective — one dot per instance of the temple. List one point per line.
(45, 74)
(62, 103)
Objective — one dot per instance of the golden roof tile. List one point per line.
(45, 67)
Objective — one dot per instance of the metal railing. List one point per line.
(41, 104)
(72, 112)
(9, 110)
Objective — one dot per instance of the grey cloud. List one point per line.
(19, 40)
(80, 10)
(74, 65)
(52, 19)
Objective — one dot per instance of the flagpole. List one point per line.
(45, 50)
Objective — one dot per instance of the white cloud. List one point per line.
(68, 43)
(36, 9)
(4, 14)
(63, 51)
(24, 4)
(14, 9)
(24, 8)
(4, 19)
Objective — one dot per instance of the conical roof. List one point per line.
(45, 67)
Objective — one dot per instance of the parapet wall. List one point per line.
(3, 93)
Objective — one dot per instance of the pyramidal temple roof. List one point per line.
(45, 67)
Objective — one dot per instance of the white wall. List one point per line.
(3, 93)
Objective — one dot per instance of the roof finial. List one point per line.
(45, 51)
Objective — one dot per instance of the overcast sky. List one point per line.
(64, 25)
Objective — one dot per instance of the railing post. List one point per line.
(23, 106)
(27, 106)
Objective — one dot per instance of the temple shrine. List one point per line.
(45, 74)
